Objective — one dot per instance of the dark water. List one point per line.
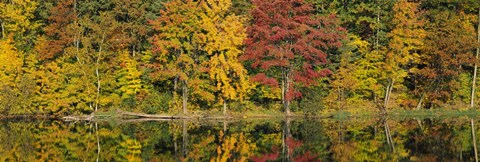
(242, 140)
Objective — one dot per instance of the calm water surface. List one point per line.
(242, 140)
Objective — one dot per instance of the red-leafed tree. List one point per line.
(288, 44)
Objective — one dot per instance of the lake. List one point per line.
(366, 139)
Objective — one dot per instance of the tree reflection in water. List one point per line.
(244, 140)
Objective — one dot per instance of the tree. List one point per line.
(476, 59)
(288, 44)
(367, 19)
(224, 33)
(64, 77)
(176, 49)
(448, 49)
(11, 62)
(19, 28)
(81, 38)
(61, 19)
(128, 76)
(359, 74)
(236, 146)
(343, 84)
(406, 40)
(16, 17)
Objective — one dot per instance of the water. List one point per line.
(373, 139)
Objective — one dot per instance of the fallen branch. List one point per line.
(79, 118)
(141, 115)
(123, 114)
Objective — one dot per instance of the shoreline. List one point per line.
(339, 114)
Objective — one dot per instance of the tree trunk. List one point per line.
(98, 141)
(184, 139)
(3, 31)
(76, 41)
(388, 93)
(389, 136)
(472, 98)
(474, 140)
(224, 107)
(225, 126)
(97, 73)
(185, 97)
(174, 92)
(286, 134)
(133, 51)
(419, 105)
(386, 132)
(77, 46)
(383, 108)
(378, 31)
(98, 89)
(286, 88)
(175, 148)
(340, 133)
(283, 88)
(419, 123)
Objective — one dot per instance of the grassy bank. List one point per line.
(401, 113)
(337, 114)
(273, 113)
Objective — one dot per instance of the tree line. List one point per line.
(75, 57)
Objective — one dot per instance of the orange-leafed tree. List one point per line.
(62, 29)
(406, 41)
(448, 49)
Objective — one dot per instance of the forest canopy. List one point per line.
(182, 56)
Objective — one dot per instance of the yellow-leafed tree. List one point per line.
(176, 51)
(128, 77)
(225, 33)
(10, 69)
(10, 63)
(358, 77)
(234, 147)
(16, 16)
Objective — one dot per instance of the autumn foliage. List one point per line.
(289, 44)
(78, 57)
